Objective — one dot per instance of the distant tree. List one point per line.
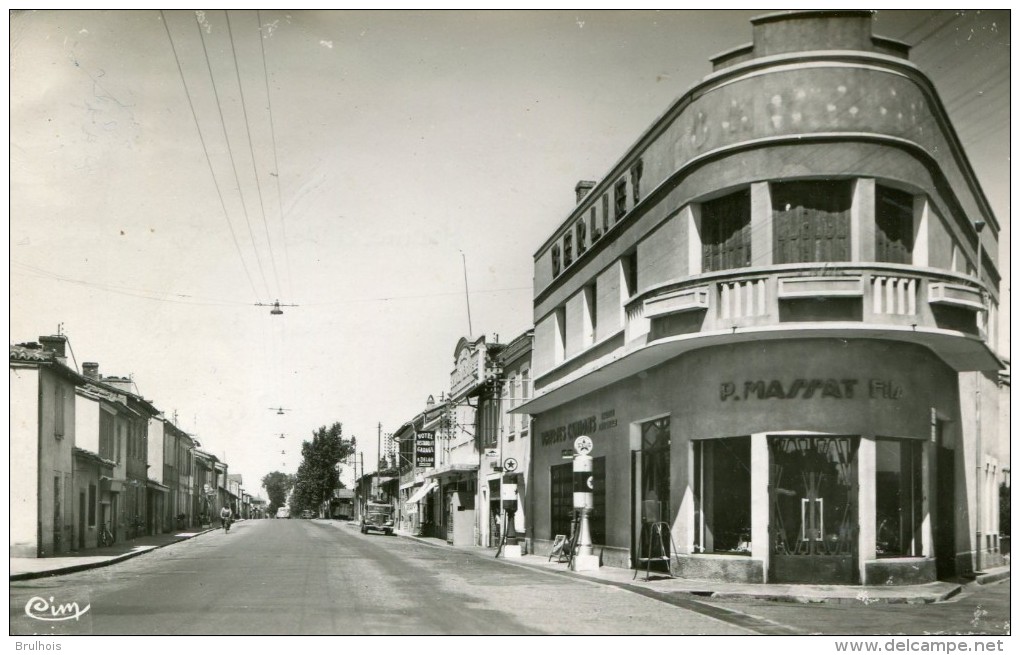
(277, 485)
(319, 474)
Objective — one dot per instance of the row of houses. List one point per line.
(775, 321)
(89, 453)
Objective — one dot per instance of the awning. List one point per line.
(452, 469)
(421, 493)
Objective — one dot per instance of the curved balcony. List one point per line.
(941, 310)
(901, 302)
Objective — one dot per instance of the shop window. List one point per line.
(593, 224)
(635, 181)
(894, 226)
(568, 250)
(555, 253)
(654, 471)
(811, 221)
(898, 495)
(561, 494)
(580, 233)
(726, 232)
(620, 198)
(605, 213)
(722, 496)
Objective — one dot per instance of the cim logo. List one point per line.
(45, 610)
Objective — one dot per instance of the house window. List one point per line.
(59, 396)
(726, 232)
(590, 303)
(120, 436)
(580, 233)
(894, 226)
(620, 198)
(630, 273)
(555, 260)
(106, 435)
(92, 506)
(593, 223)
(635, 181)
(525, 394)
(511, 403)
(811, 221)
(898, 497)
(605, 213)
(568, 250)
(722, 496)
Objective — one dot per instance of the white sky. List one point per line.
(403, 139)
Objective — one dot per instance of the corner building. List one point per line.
(771, 318)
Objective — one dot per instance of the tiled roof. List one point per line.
(24, 352)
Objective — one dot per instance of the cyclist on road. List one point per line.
(225, 515)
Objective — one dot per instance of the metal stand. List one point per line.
(658, 534)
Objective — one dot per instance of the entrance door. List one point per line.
(813, 520)
(945, 514)
(81, 519)
(651, 467)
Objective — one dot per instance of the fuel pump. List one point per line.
(584, 486)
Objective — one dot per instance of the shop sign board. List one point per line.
(806, 389)
(425, 449)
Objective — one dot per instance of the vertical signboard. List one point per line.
(425, 449)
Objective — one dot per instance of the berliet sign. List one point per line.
(425, 449)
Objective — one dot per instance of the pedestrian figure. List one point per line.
(225, 515)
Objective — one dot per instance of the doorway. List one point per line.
(81, 519)
(813, 513)
(650, 470)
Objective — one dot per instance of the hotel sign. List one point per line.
(425, 449)
(804, 388)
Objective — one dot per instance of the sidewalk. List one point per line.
(27, 568)
(664, 587)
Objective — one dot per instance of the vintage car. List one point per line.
(377, 517)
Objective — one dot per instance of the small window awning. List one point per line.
(421, 493)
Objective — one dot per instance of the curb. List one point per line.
(989, 578)
(75, 568)
(687, 596)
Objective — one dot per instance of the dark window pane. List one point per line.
(811, 221)
(894, 226)
(726, 232)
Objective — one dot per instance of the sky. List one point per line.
(172, 175)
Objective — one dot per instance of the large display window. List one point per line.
(722, 496)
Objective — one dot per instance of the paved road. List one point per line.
(319, 577)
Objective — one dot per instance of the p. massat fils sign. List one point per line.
(811, 388)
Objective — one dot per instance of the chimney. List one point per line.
(582, 189)
(91, 370)
(56, 345)
(121, 384)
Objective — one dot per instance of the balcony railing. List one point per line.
(888, 293)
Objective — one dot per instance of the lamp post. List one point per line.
(978, 468)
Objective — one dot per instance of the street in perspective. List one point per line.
(517, 323)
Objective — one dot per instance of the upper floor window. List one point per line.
(555, 254)
(894, 226)
(726, 232)
(620, 197)
(605, 213)
(59, 396)
(630, 273)
(592, 220)
(635, 181)
(811, 221)
(568, 250)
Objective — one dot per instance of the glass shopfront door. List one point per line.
(813, 518)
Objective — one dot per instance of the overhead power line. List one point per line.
(208, 159)
(230, 151)
(251, 150)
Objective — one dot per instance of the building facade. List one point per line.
(775, 318)
(42, 406)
